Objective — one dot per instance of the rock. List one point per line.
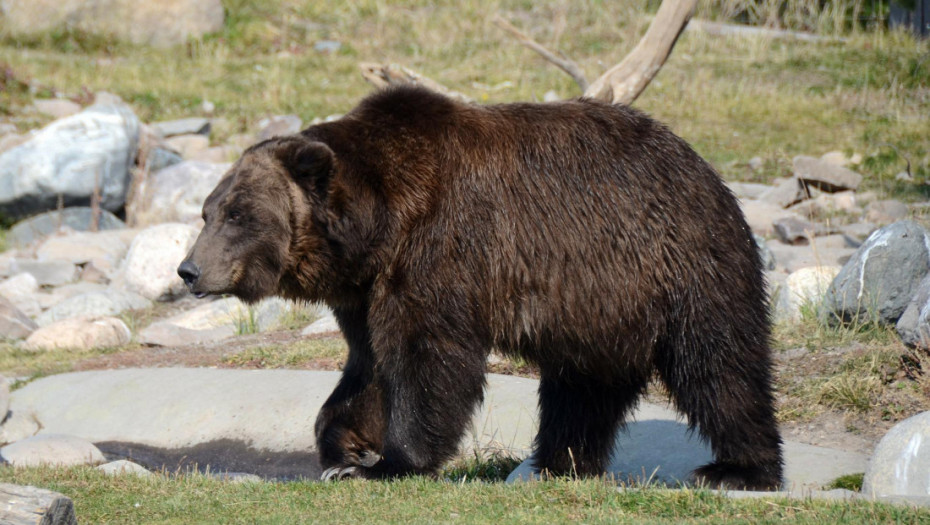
(11, 140)
(886, 211)
(825, 175)
(161, 158)
(176, 194)
(4, 399)
(279, 125)
(47, 273)
(110, 302)
(828, 204)
(914, 324)
(760, 215)
(326, 324)
(80, 334)
(859, 231)
(215, 321)
(19, 425)
(56, 107)
(791, 230)
(68, 158)
(216, 155)
(163, 23)
(803, 290)
(80, 218)
(123, 467)
(882, 276)
(21, 290)
(793, 258)
(756, 163)
(150, 267)
(900, 464)
(785, 193)
(837, 158)
(768, 258)
(327, 46)
(186, 126)
(748, 190)
(14, 324)
(51, 449)
(188, 145)
(106, 248)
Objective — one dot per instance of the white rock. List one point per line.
(80, 334)
(47, 273)
(900, 464)
(123, 467)
(215, 321)
(14, 324)
(4, 398)
(20, 424)
(176, 193)
(150, 267)
(108, 302)
(52, 449)
(325, 324)
(108, 247)
(56, 107)
(68, 158)
(188, 145)
(21, 290)
(760, 215)
(804, 288)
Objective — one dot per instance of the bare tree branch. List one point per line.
(385, 75)
(565, 64)
(624, 82)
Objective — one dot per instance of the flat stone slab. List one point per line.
(227, 416)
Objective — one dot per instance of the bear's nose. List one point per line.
(189, 273)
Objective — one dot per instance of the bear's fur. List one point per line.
(584, 237)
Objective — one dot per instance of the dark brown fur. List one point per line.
(584, 237)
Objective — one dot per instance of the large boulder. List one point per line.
(103, 303)
(825, 175)
(79, 218)
(68, 159)
(80, 334)
(900, 464)
(52, 449)
(175, 194)
(215, 321)
(150, 267)
(14, 324)
(153, 22)
(914, 324)
(882, 276)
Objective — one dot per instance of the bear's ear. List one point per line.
(308, 162)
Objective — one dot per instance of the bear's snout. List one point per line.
(189, 273)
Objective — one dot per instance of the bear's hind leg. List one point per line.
(579, 419)
(725, 391)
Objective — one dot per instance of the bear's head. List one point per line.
(266, 225)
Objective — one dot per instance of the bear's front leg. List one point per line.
(431, 385)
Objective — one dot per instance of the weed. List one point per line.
(851, 482)
(245, 322)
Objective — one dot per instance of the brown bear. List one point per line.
(584, 237)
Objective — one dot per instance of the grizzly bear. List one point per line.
(584, 237)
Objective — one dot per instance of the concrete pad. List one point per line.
(238, 420)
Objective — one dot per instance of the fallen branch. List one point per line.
(385, 75)
(22, 505)
(562, 62)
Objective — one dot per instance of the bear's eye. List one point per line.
(234, 216)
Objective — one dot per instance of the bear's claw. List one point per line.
(340, 473)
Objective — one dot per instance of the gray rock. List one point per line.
(914, 325)
(859, 231)
(150, 267)
(279, 125)
(21, 290)
(326, 324)
(756, 163)
(162, 23)
(161, 158)
(14, 324)
(900, 464)
(882, 276)
(19, 425)
(825, 175)
(768, 258)
(761, 215)
(123, 467)
(47, 273)
(828, 204)
(327, 46)
(176, 194)
(791, 230)
(80, 219)
(68, 158)
(215, 321)
(4, 399)
(792, 258)
(51, 449)
(109, 302)
(748, 190)
(785, 193)
(56, 107)
(886, 211)
(186, 126)
(80, 334)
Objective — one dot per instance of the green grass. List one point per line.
(289, 356)
(15, 361)
(188, 499)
